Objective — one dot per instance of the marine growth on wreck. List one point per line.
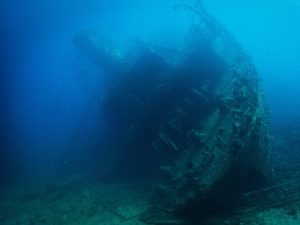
(196, 126)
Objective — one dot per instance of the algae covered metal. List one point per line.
(195, 124)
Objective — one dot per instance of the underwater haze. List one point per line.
(45, 95)
(38, 58)
(55, 129)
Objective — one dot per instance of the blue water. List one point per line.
(47, 89)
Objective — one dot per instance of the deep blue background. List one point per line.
(43, 96)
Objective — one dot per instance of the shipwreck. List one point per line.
(195, 123)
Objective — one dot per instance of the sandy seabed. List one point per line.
(91, 203)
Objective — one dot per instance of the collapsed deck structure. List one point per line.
(195, 124)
